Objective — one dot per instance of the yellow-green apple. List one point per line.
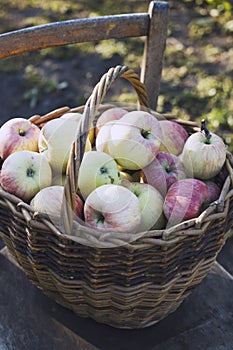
(55, 140)
(96, 169)
(18, 134)
(163, 171)
(77, 117)
(24, 173)
(112, 208)
(173, 137)
(72, 115)
(151, 204)
(108, 115)
(134, 139)
(49, 200)
(203, 155)
(103, 136)
(184, 200)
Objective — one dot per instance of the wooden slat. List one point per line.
(73, 31)
(154, 48)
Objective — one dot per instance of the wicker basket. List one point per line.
(123, 280)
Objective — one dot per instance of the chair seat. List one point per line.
(30, 320)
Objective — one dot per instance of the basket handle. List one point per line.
(78, 147)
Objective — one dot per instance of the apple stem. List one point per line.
(145, 133)
(206, 131)
(21, 132)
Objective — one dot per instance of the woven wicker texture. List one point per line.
(124, 280)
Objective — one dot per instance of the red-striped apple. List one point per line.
(204, 154)
(112, 208)
(24, 173)
(110, 114)
(18, 134)
(173, 137)
(184, 200)
(135, 139)
(49, 200)
(163, 171)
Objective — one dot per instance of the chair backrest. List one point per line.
(152, 25)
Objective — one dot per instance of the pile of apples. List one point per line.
(139, 172)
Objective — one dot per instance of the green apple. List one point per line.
(97, 169)
(151, 204)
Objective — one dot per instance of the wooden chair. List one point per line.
(151, 25)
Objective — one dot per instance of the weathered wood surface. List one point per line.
(152, 63)
(30, 320)
(73, 31)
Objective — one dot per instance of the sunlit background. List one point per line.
(198, 64)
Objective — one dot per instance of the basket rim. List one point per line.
(176, 233)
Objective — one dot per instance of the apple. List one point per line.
(97, 168)
(184, 200)
(49, 200)
(24, 173)
(55, 140)
(112, 208)
(163, 171)
(58, 179)
(111, 114)
(77, 117)
(204, 154)
(214, 191)
(124, 175)
(151, 204)
(72, 116)
(134, 139)
(173, 137)
(103, 137)
(18, 134)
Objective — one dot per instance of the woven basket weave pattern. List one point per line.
(125, 281)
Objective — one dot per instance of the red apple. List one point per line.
(213, 192)
(173, 137)
(163, 171)
(18, 134)
(109, 115)
(184, 200)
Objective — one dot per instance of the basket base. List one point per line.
(192, 325)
